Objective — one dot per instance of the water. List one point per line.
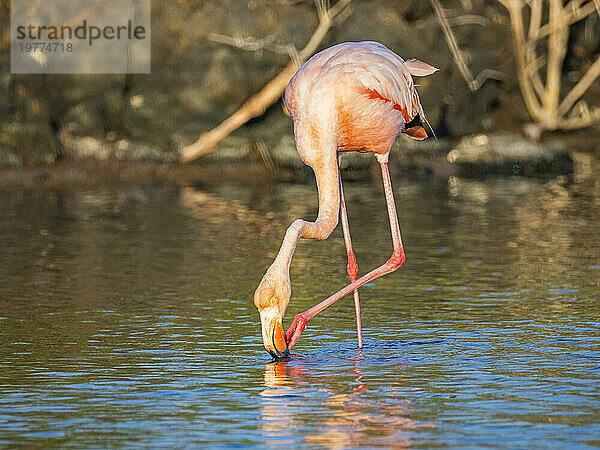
(126, 318)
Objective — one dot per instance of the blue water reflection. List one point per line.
(143, 332)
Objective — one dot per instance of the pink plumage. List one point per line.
(362, 88)
(353, 96)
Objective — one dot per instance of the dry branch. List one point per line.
(257, 104)
(579, 89)
(542, 90)
(460, 58)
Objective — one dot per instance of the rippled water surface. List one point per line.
(126, 317)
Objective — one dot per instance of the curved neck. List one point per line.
(326, 173)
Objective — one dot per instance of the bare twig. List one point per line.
(535, 21)
(581, 87)
(487, 74)
(542, 98)
(249, 44)
(469, 19)
(569, 18)
(460, 58)
(292, 51)
(263, 152)
(258, 103)
(557, 49)
(582, 119)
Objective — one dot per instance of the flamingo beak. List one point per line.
(273, 334)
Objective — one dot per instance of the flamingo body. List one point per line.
(356, 96)
(361, 94)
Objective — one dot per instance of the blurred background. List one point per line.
(510, 65)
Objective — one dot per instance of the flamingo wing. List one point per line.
(385, 76)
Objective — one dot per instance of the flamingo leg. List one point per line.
(393, 263)
(352, 267)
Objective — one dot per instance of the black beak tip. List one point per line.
(280, 356)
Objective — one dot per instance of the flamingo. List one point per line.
(354, 96)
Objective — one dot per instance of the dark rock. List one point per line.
(26, 134)
(88, 147)
(508, 153)
(9, 160)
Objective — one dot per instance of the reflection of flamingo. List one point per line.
(294, 395)
(352, 96)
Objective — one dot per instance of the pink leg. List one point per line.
(352, 267)
(392, 264)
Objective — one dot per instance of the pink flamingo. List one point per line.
(353, 96)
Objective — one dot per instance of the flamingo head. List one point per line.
(271, 298)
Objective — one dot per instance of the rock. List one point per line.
(418, 158)
(409, 149)
(508, 153)
(30, 141)
(25, 126)
(131, 150)
(9, 160)
(142, 153)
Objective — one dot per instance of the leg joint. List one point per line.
(396, 260)
(352, 267)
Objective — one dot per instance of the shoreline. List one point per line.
(409, 160)
(86, 174)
